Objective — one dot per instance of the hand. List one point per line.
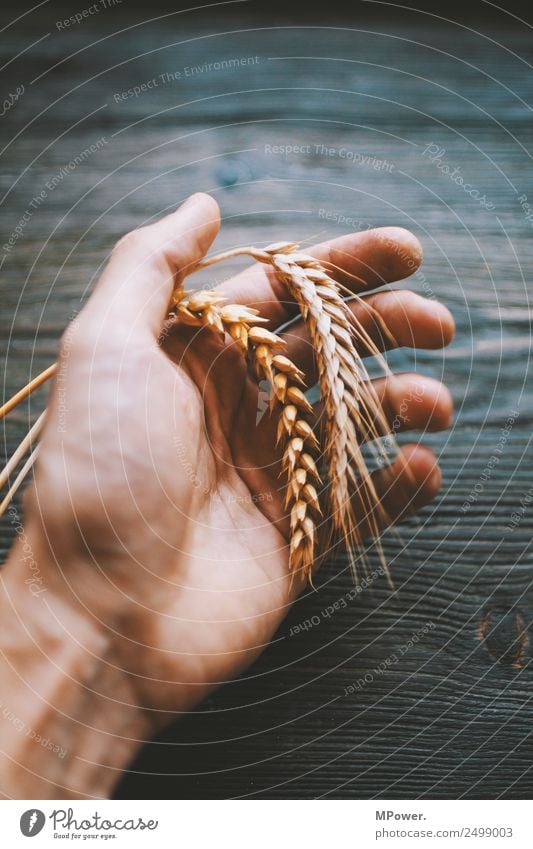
(156, 504)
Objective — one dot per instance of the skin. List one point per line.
(155, 519)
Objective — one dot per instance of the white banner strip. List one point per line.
(256, 824)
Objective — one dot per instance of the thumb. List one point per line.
(147, 264)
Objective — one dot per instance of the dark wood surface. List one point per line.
(452, 715)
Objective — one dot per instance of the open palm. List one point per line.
(159, 486)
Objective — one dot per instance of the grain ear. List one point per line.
(265, 351)
(352, 412)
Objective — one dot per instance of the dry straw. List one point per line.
(350, 410)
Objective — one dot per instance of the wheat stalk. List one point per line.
(25, 446)
(265, 350)
(19, 480)
(351, 409)
(27, 390)
(341, 378)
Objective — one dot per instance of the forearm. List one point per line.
(68, 720)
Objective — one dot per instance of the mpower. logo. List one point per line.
(32, 822)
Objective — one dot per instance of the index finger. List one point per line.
(360, 261)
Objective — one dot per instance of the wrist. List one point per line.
(69, 723)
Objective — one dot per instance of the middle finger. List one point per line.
(391, 319)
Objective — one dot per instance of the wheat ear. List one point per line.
(265, 351)
(351, 409)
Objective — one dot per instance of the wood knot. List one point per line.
(504, 634)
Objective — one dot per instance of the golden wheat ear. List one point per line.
(351, 410)
(266, 354)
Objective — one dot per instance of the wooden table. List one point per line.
(425, 691)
